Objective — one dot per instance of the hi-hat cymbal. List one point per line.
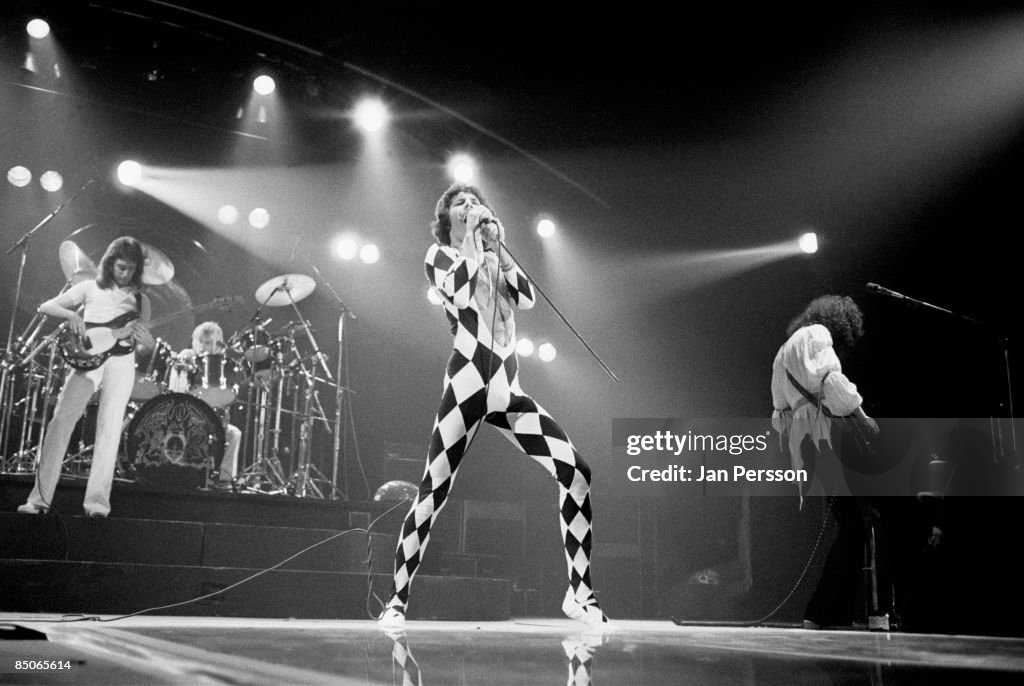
(157, 268)
(285, 290)
(75, 264)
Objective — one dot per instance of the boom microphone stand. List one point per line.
(339, 446)
(1004, 345)
(8, 360)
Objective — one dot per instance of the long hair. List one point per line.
(124, 248)
(837, 313)
(441, 226)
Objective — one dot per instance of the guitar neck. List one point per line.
(180, 313)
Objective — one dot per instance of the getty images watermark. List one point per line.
(920, 457)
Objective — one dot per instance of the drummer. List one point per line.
(208, 338)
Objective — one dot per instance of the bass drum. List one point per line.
(173, 441)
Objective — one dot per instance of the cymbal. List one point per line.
(75, 264)
(157, 268)
(285, 290)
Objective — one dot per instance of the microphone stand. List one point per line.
(1003, 341)
(560, 315)
(23, 244)
(339, 445)
(7, 361)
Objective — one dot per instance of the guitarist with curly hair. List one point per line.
(100, 346)
(811, 394)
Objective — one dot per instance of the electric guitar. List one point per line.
(100, 341)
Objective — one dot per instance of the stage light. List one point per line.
(38, 28)
(524, 347)
(19, 176)
(546, 352)
(51, 181)
(263, 84)
(129, 172)
(809, 243)
(369, 253)
(462, 168)
(433, 296)
(259, 218)
(228, 214)
(546, 227)
(346, 248)
(370, 115)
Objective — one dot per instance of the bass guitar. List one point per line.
(100, 341)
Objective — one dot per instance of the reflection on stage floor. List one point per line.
(186, 650)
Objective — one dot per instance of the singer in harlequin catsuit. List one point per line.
(480, 284)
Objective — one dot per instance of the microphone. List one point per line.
(489, 225)
(875, 288)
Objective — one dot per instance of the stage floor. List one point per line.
(203, 650)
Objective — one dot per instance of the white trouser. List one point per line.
(115, 379)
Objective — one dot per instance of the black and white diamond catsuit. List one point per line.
(464, 284)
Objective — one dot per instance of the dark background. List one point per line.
(662, 142)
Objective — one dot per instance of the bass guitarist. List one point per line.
(113, 299)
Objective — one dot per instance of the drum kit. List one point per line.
(174, 431)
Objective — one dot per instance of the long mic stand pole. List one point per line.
(23, 244)
(1004, 344)
(340, 389)
(7, 361)
(560, 315)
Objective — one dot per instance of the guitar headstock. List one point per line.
(226, 302)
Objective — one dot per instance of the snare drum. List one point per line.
(215, 379)
(151, 374)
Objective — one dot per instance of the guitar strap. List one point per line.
(811, 398)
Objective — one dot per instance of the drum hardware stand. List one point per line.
(21, 358)
(35, 406)
(264, 475)
(275, 451)
(252, 477)
(303, 484)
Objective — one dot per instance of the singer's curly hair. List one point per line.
(124, 248)
(441, 226)
(837, 313)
